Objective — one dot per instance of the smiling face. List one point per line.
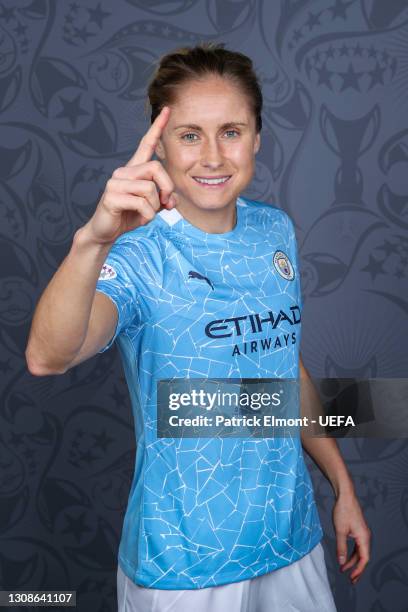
(210, 134)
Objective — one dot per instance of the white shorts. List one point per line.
(302, 586)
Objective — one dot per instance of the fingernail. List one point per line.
(172, 200)
(342, 560)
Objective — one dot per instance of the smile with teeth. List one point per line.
(211, 181)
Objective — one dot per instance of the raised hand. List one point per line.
(131, 197)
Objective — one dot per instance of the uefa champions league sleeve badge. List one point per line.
(107, 273)
(283, 265)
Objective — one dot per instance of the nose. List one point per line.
(211, 154)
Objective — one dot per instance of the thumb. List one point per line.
(341, 547)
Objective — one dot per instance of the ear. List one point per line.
(257, 143)
(159, 150)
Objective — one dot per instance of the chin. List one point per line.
(215, 204)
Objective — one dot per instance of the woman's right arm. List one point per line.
(67, 307)
(72, 321)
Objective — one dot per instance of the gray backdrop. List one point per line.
(334, 155)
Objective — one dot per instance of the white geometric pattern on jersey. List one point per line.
(208, 511)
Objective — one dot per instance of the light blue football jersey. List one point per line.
(210, 511)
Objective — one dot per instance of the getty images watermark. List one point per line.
(279, 407)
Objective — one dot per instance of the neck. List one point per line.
(211, 221)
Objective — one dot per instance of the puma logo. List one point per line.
(194, 274)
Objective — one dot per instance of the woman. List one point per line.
(189, 279)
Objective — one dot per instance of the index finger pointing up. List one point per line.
(149, 141)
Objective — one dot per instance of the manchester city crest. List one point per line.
(283, 265)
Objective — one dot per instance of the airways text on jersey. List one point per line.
(237, 326)
(210, 511)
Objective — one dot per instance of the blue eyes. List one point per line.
(189, 134)
(193, 134)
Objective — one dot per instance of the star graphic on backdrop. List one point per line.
(368, 499)
(7, 13)
(76, 526)
(16, 439)
(350, 78)
(313, 19)
(343, 50)
(5, 366)
(97, 15)
(330, 52)
(374, 267)
(29, 453)
(96, 173)
(388, 247)
(166, 30)
(358, 50)
(321, 499)
(340, 9)
(71, 110)
(102, 440)
(83, 33)
(10, 214)
(372, 51)
(82, 174)
(316, 56)
(308, 67)
(20, 29)
(118, 396)
(377, 75)
(324, 76)
(88, 457)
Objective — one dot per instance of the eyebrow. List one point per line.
(193, 126)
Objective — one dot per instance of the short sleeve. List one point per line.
(116, 280)
(294, 258)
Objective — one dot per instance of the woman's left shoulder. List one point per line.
(272, 211)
